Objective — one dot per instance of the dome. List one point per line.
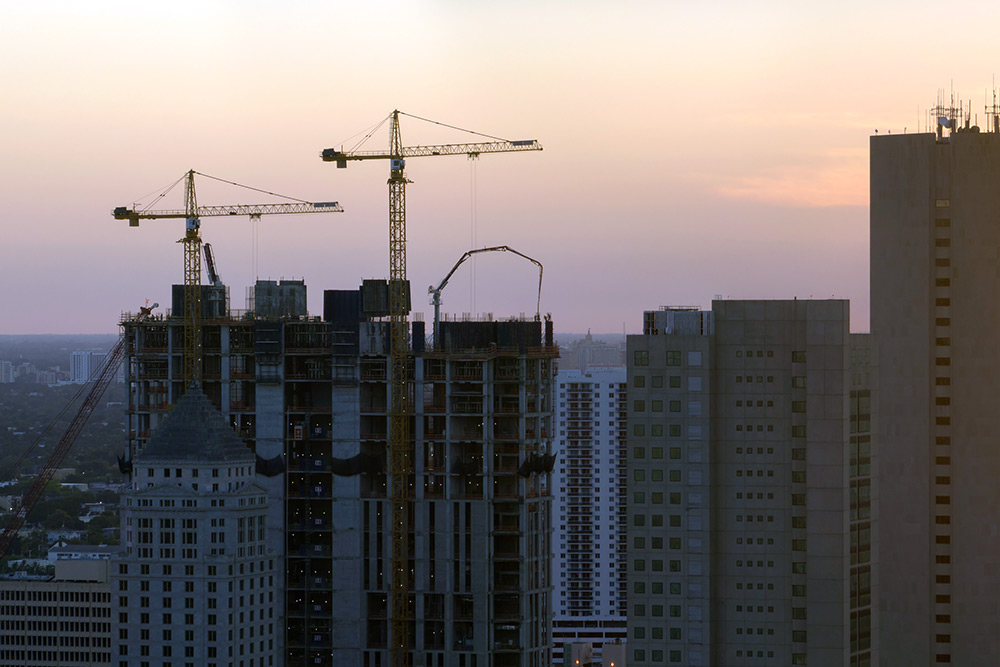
(195, 431)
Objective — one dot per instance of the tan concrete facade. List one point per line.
(750, 514)
(935, 276)
(60, 620)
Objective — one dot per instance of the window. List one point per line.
(639, 405)
(675, 406)
(640, 357)
(798, 357)
(657, 405)
(639, 381)
(673, 358)
(798, 406)
(657, 382)
(799, 381)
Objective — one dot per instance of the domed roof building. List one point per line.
(195, 583)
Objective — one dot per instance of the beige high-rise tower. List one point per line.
(935, 305)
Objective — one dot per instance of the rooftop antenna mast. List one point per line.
(993, 112)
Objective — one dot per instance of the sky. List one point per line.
(691, 150)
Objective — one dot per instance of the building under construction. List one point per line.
(310, 395)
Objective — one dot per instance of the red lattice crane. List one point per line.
(100, 383)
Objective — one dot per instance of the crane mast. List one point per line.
(400, 455)
(192, 285)
(400, 467)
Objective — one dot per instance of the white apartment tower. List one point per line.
(744, 521)
(589, 506)
(195, 585)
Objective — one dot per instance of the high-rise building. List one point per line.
(589, 510)
(79, 366)
(6, 372)
(59, 619)
(935, 275)
(589, 354)
(309, 395)
(747, 537)
(195, 583)
(83, 364)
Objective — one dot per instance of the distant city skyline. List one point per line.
(715, 150)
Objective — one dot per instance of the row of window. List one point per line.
(673, 358)
(53, 596)
(673, 382)
(656, 405)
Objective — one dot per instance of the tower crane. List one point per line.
(99, 384)
(400, 462)
(192, 215)
(435, 292)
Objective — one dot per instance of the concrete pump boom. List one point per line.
(435, 292)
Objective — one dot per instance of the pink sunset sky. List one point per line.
(691, 149)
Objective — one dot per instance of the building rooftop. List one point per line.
(195, 431)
